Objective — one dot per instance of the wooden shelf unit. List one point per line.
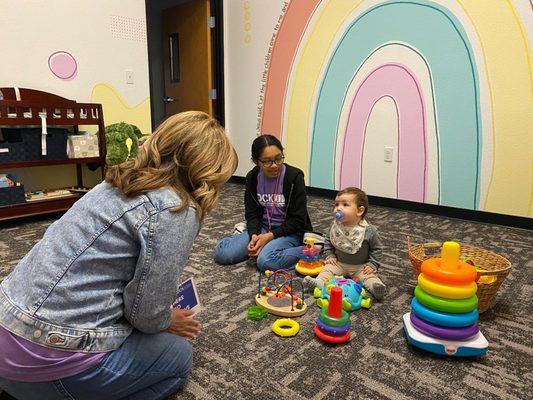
(58, 111)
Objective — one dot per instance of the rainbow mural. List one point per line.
(461, 92)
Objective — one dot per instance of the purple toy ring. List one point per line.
(441, 332)
(332, 330)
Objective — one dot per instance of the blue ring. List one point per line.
(332, 330)
(442, 318)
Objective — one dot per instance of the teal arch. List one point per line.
(437, 34)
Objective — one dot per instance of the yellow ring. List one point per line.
(446, 291)
(311, 271)
(285, 327)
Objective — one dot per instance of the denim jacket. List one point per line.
(110, 264)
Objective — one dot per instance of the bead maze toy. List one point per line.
(333, 324)
(310, 262)
(443, 317)
(278, 295)
(353, 294)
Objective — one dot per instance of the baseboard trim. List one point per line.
(452, 212)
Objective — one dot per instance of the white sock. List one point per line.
(315, 282)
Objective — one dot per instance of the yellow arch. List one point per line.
(116, 109)
(509, 74)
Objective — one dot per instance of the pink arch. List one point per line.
(283, 52)
(397, 82)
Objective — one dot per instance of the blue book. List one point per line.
(187, 297)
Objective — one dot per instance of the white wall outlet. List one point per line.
(389, 151)
(129, 76)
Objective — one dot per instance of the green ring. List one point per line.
(332, 321)
(455, 306)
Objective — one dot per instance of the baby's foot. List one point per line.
(378, 290)
(314, 282)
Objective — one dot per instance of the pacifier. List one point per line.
(339, 215)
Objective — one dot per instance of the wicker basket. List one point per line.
(497, 267)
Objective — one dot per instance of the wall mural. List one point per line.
(117, 109)
(456, 91)
(63, 65)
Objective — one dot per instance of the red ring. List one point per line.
(333, 339)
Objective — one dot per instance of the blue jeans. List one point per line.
(143, 367)
(279, 253)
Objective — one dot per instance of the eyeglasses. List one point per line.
(269, 163)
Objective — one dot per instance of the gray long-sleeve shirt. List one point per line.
(369, 253)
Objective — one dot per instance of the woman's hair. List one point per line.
(189, 152)
(263, 141)
(361, 199)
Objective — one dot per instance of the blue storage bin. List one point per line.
(24, 144)
(12, 195)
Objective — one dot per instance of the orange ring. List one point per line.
(461, 274)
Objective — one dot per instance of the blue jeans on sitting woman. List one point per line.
(280, 253)
(143, 367)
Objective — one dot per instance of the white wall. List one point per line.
(248, 28)
(105, 37)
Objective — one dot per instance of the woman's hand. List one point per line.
(183, 324)
(258, 242)
(368, 270)
(332, 260)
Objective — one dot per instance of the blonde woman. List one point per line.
(87, 313)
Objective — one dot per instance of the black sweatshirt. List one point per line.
(296, 217)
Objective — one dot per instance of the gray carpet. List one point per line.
(240, 359)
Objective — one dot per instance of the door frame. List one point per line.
(217, 60)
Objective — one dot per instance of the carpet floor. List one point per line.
(236, 358)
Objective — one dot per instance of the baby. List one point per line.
(353, 247)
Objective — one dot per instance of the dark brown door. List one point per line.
(187, 57)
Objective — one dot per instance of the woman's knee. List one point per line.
(274, 260)
(231, 250)
(267, 260)
(222, 252)
(182, 357)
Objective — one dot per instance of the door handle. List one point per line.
(168, 99)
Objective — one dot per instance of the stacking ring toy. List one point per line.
(443, 319)
(440, 332)
(333, 339)
(307, 268)
(333, 330)
(461, 274)
(333, 321)
(446, 291)
(455, 306)
(285, 327)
